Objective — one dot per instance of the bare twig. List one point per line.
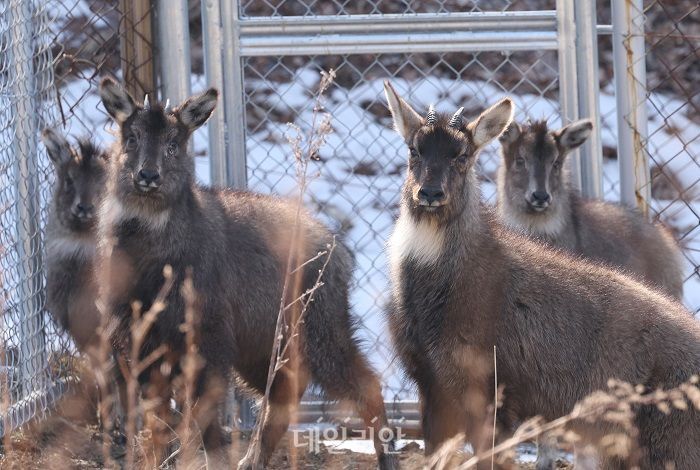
(140, 326)
(495, 404)
(192, 364)
(614, 406)
(171, 457)
(314, 141)
(103, 355)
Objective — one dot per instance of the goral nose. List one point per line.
(431, 195)
(83, 210)
(541, 197)
(148, 176)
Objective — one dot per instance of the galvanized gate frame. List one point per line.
(570, 29)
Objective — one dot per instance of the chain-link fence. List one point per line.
(361, 168)
(672, 138)
(93, 39)
(27, 380)
(51, 56)
(266, 57)
(657, 64)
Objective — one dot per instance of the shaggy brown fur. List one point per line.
(71, 236)
(236, 244)
(533, 164)
(561, 327)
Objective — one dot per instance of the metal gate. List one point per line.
(272, 55)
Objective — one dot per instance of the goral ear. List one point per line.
(406, 120)
(89, 151)
(57, 147)
(116, 100)
(511, 134)
(196, 110)
(574, 135)
(492, 122)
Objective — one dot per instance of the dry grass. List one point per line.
(294, 301)
(613, 409)
(73, 438)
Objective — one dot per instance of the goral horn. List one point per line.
(456, 120)
(431, 118)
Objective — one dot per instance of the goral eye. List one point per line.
(131, 143)
(172, 148)
(556, 165)
(462, 159)
(520, 162)
(413, 152)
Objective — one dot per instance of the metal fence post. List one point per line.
(174, 48)
(235, 150)
(28, 223)
(630, 94)
(234, 104)
(568, 77)
(591, 162)
(213, 69)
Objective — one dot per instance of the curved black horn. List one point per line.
(431, 118)
(456, 120)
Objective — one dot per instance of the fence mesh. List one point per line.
(93, 39)
(372, 7)
(52, 55)
(672, 32)
(27, 383)
(361, 168)
(672, 143)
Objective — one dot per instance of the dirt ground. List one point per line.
(411, 458)
(70, 438)
(81, 449)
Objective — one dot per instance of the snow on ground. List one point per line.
(365, 446)
(525, 453)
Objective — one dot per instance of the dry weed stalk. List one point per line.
(129, 367)
(188, 432)
(5, 377)
(496, 402)
(285, 333)
(104, 366)
(141, 324)
(615, 407)
(445, 456)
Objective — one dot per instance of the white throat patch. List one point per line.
(421, 241)
(551, 223)
(80, 248)
(113, 211)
